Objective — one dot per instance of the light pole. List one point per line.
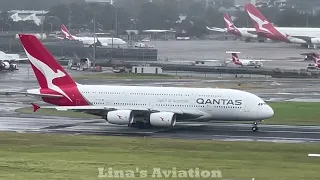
(42, 24)
(54, 17)
(94, 3)
(50, 27)
(9, 25)
(94, 35)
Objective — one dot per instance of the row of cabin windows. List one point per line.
(151, 94)
(179, 105)
(133, 104)
(172, 105)
(98, 102)
(169, 105)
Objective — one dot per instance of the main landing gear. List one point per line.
(141, 125)
(255, 127)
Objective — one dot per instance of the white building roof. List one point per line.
(28, 15)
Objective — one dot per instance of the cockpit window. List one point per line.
(261, 104)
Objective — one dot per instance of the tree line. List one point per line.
(143, 14)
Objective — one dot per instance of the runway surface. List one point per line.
(203, 131)
(268, 88)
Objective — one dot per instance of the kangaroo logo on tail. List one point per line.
(230, 26)
(261, 23)
(66, 33)
(49, 74)
(236, 59)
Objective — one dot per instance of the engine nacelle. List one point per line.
(104, 44)
(5, 65)
(163, 119)
(315, 40)
(14, 66)
(120, 117)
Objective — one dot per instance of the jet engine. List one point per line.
(163, 119)
(5, 65)
(315, 40)
(120, 117)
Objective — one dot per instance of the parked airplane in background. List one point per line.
(245, 62)
(7, 61)
(304, 36)
(137, 105)
(247, 33)
(11, 57)
(8, 66)
(102, 41)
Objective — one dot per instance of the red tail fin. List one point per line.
(230, 26)
(51, 76)
(66, 33)
(229, 23)
(46, 68)
(263, 26)
(235, 57)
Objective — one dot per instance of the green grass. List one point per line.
(128, 76)
(295, 113)
(289, 113)
(52, 156)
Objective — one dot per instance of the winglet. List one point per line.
(35, 107)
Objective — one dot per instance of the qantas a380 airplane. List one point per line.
(247, 33)
(136, 105)
(104, 41)
(304, 36)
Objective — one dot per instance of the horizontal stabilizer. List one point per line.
(31, 94)
(230, 52)
(216, 29)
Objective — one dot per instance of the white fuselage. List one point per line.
(213, 104)
(105, 41)
(251, 62)
(292, 31)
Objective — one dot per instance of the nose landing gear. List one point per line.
(255, 127)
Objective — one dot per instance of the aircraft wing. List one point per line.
(58, 37)
(305, 38)
(261, 60)
(217, 29)
(21, 59)
(112, 108)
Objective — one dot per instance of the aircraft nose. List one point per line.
(268, 112)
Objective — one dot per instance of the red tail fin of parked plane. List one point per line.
(66, 33)
(263, 26)
(235, 58)
(51, 76)
(230, 26)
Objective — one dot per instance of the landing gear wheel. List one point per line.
(255, 127)
(141, 125)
